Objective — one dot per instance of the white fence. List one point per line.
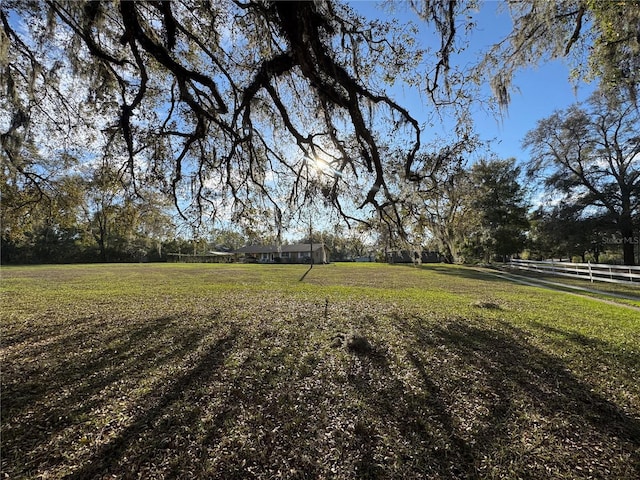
(595, 272)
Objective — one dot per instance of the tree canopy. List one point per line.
(234, 106)
(499, 209)
(206, 99)
(601, 40)
(590, 155)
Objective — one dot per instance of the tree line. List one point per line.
(578, 196)
(121, 120)
(585, 157)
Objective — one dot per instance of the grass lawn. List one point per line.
(360, 371)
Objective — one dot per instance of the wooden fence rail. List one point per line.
(595, 272)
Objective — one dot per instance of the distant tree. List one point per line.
(177, 245)
(154, 225)
(356, 247)
(118, 224)
(590, 155)
(227, 239)
(437, 201)
(82, 219)
(561, 232)
(499, 209)
(343, 245)
(449, 218)
(103, 208)
(39, 225)
(447, 214)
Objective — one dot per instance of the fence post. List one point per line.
(590, 272)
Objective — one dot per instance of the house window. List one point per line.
(284, 255)
(265, 256)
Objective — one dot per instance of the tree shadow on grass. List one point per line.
(41, 331)
(90, 380)
(184, 398)
(631, 357)
(486, 402)
(514, 400)
(453, 271)
(466, 272)
(158, 415)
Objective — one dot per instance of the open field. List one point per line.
(361, 371)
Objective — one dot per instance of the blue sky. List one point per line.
(538, 92)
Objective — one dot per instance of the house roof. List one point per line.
(299, 247)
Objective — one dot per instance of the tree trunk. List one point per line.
(102, 248)
(625, 224)
(628, 240)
